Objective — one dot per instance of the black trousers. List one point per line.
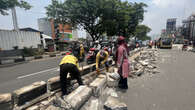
(74, 72)
(123, 84)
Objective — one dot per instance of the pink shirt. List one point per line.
(122, 61)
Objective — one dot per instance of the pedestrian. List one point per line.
(155, 44)
(101, 59)
(69, 64)
(122, 63)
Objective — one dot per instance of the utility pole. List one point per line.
(14, 18)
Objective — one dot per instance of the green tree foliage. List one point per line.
(123, 17)
(5, 5)
(113, 17)
(141, 32)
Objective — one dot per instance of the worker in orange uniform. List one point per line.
(69, 64)
(101, 59)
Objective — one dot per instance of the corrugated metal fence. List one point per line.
(10, 39)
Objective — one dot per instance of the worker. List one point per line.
(82, 52)
(101, 59)
(69, 64)
(122, 63)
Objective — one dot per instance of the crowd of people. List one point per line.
(70, 63)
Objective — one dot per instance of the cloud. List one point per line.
(159, 11)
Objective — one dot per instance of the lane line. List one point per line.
(32, 74)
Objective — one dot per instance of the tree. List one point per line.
(121, 18)
(113, 17)
(5, 5)
(85, 13)
(141, 32)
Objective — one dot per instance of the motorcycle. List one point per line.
(184, 48)
(185, 45)
(91, 56)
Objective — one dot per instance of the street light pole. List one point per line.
(14, 18)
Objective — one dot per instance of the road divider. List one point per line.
(28, 93)
(6, 102)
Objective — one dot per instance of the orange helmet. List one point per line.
(106, 49)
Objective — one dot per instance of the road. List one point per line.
(15, 77)
(171, 89)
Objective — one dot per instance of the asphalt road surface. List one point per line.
(171, 89)
(15, 77)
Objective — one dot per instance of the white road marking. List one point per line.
(52, 69)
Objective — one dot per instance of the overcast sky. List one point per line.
(158, 12)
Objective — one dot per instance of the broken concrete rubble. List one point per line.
(113, 103)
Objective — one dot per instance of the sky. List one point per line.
(158, 11)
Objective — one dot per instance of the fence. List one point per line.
(10, 39)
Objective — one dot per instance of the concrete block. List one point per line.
(29, 58)
(19, 60)
(59, 102)
(33, 108)
(98, 85)
(45, 56)
(88, 78)
(79, 96)
(52, 55)
(110, 81)
(92, 104)
(58, 55)
(53, 83)
(38, 57)
(113, 103)
(7, 61)
(28, 93)
(86, 70)
(6, 102)
(52, 107)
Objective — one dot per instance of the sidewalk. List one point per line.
(171, 89)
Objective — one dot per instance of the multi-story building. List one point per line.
(66, 32)
(189, 28)
(171, 26)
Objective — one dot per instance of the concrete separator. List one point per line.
(29, 58)
(28, 93)
(98, 85)
(6, 102)
(79, 96)
(7, 61)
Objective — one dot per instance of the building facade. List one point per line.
(189, 28)
(65, 32)
(171, 26)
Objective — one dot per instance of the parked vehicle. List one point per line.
(185, 45)
(165, 42)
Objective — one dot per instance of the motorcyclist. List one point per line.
(69, 64)
(101, 59)
(97, 45)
